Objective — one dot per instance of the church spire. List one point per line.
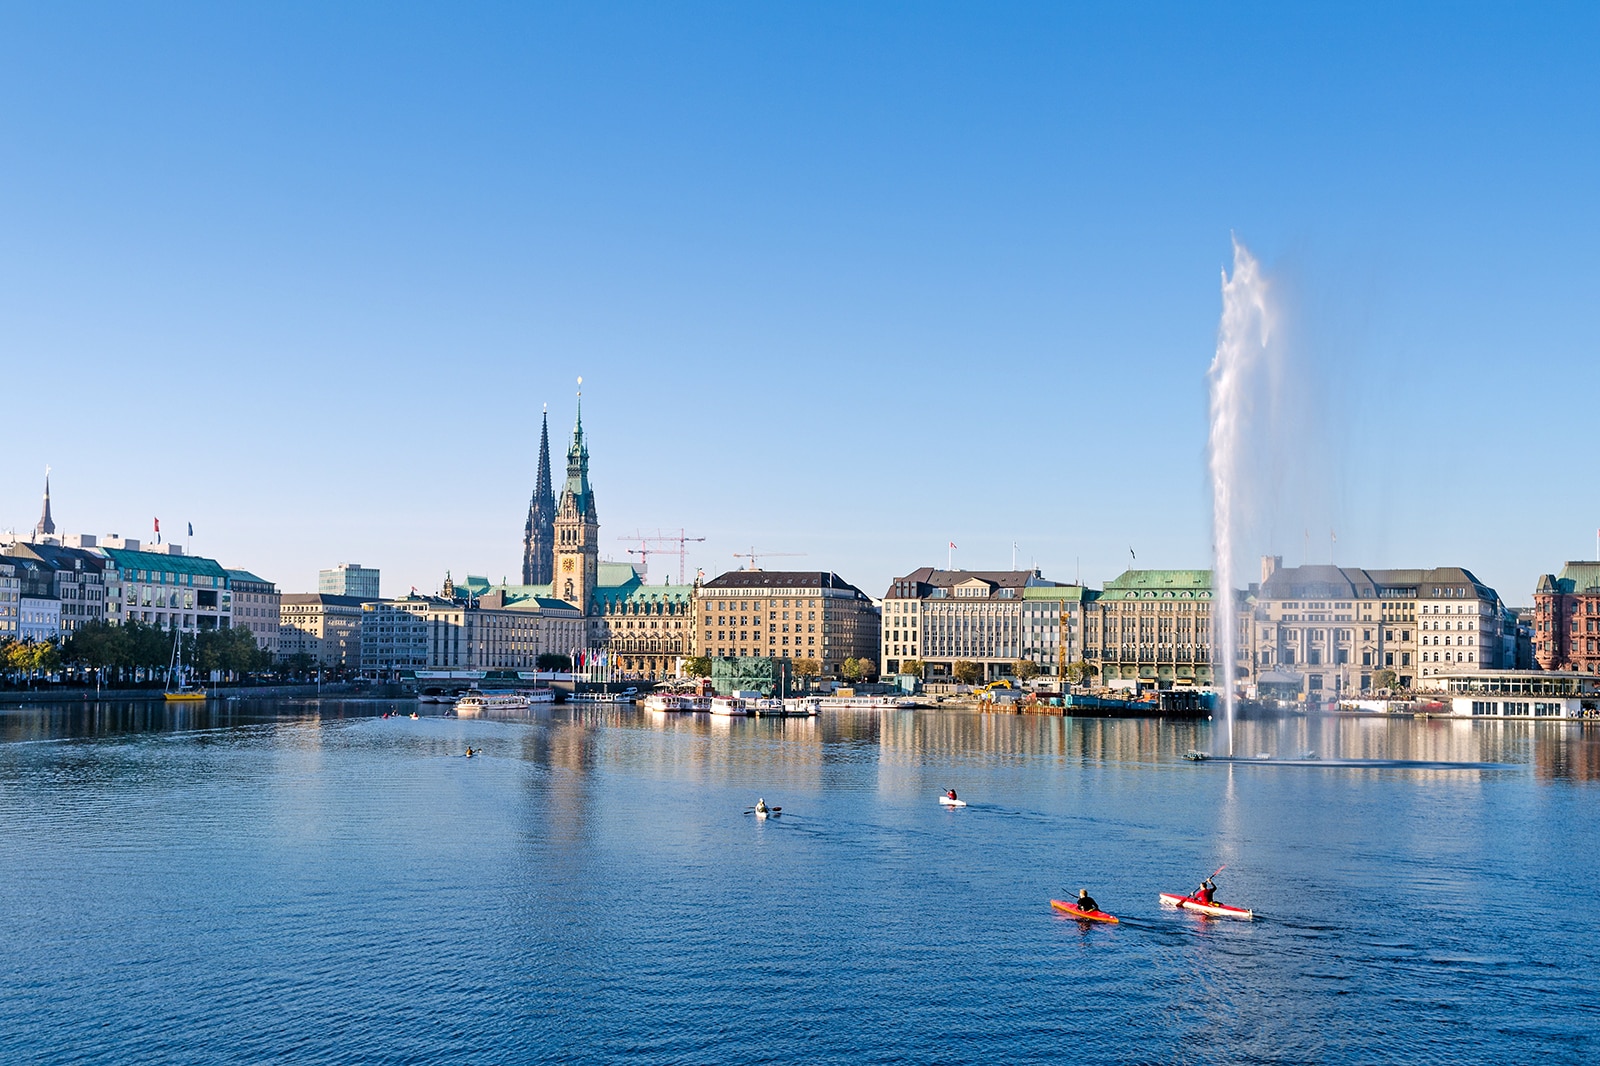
(538, 538)
(47, 525)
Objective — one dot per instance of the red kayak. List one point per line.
(1216, 910)
(1078, 912)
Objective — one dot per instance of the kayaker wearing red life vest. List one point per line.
(1207, 892)
(950, 793)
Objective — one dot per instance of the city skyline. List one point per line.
(962, 269)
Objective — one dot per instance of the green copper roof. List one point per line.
(1067, 593)
(1159, 585)
(165, 564)
(1579, 576)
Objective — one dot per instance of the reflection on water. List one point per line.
(243, 882)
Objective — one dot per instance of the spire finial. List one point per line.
(47, 525)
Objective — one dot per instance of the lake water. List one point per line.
(314, 883)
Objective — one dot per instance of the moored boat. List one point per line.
(732, 706)
(1216, 910)
(1079, 912)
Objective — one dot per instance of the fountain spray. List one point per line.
(1242, 340)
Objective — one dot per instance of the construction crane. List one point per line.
(754, 555)
(644, 551)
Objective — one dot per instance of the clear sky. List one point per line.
(848, 280)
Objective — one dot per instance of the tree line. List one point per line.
(122, 652)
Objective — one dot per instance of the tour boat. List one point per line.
(948, 802)
(735, 706)
(1216, 910)
(875, 703)
(667, 701)
(1078, 912)
(802, 706)
(475, 703)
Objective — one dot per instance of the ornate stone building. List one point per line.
(538, 538)
(1150, 627)
(1566, 619)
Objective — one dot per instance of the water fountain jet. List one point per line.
(1242, 339)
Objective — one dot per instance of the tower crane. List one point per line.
(754, 555)
(644, 551)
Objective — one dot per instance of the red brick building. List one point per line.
(1566, 619)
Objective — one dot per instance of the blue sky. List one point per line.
(848, 280)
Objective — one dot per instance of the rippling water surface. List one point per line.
(314, 883)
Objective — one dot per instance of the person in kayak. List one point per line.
(761, 806)
(1085, 902)
(1207, 892)
(950, 793)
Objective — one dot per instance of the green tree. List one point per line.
(807, 668)
(868, 667)
(1077, 671)
(966, 672)
(1024, 669)
(697, 666)
(553, 661)
(46, 657)
(914, 667)
(1385, 678)
(93, 645)
(851, 669)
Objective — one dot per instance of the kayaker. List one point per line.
(761, 806)
(1207, 892)
(950, 792)
(1085, 901)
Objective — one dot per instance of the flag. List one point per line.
(191, 529)
(952, 544)
(158, 531)
(1130, 552)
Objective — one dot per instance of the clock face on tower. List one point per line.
(568, 563)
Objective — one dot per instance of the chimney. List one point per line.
(1269, 566)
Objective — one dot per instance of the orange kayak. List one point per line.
(1077, 912)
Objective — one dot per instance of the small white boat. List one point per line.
(732, 706)
(946, 801)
